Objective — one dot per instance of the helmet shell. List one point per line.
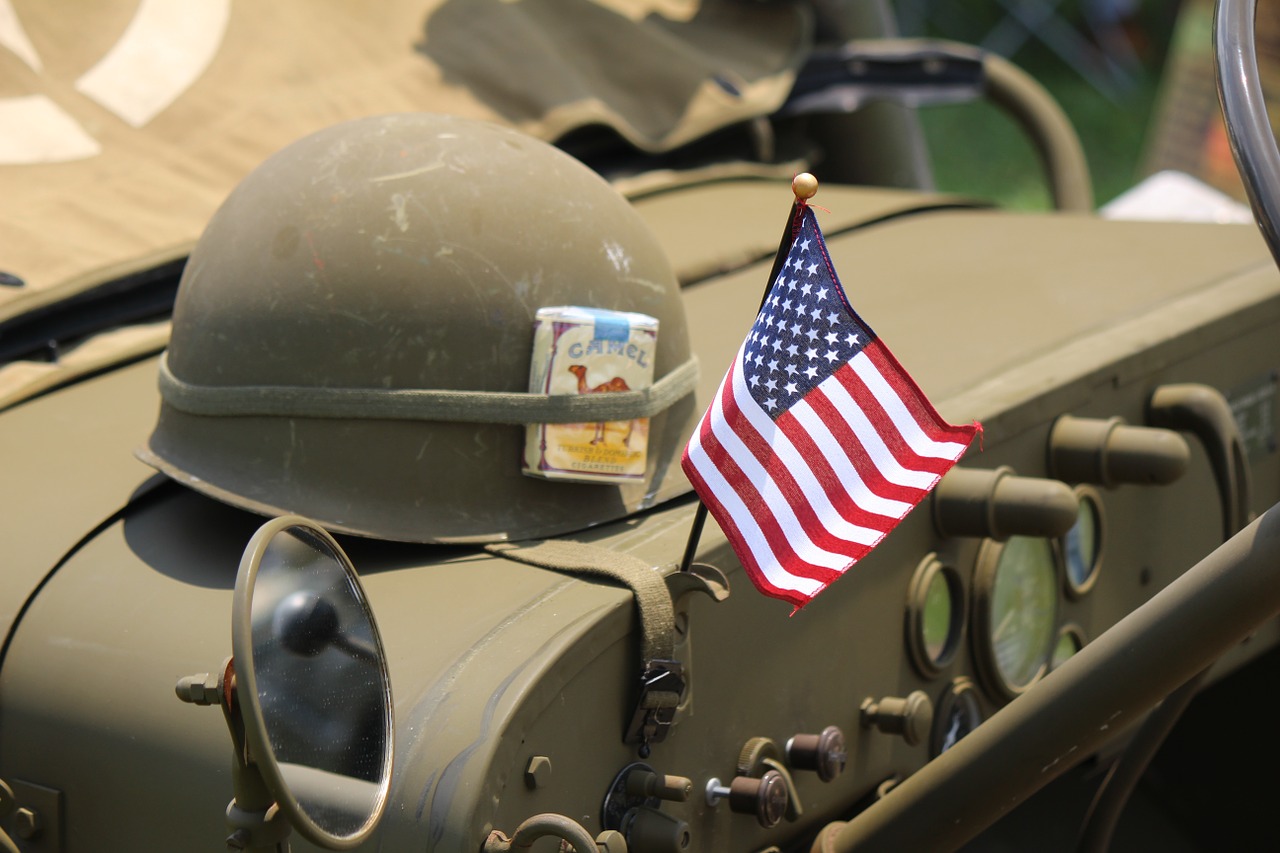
(407, 251)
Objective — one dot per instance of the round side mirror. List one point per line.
(313, 684)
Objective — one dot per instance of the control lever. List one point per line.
(1203, 411)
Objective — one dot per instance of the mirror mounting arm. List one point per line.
(257, 825)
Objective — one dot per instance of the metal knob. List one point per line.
(642, 784)
(911, 717)
(1000, 504)
(1110, 452)
(823, 753)
(765, 797)
(650, 831)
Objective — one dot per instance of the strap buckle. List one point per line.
(662, 689)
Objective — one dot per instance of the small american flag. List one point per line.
(818, 442)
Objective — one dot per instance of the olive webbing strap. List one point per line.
(653, 599)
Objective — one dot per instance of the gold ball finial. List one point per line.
(805, 186)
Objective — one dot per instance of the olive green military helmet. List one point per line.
(353, 333)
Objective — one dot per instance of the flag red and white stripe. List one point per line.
(818, 442)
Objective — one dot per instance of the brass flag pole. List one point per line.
(805, 187)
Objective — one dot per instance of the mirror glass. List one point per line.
(319, 677)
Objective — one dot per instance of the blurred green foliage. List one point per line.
(1101, 59)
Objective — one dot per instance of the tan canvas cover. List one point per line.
(124, 123)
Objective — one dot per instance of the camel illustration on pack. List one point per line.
(617, 383)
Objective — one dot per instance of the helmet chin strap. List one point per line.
(414, 404)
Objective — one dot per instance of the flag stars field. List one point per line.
(799, 336)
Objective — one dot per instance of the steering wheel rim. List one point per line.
(1253, 144)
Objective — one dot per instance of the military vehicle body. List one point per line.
(1123, 371)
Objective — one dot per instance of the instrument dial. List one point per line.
(935, 615)
(1082, 544)
(959, 713)
(1070, 641)
(1016, 602)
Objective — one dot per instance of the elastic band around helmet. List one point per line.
(488, 407)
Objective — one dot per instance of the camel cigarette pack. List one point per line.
(590, 351)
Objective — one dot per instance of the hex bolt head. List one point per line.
(202, 689)
(538, 772)
(26, 823)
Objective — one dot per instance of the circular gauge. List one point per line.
(935, 615)
(1082, 544)
(958, 713)
(1070, 641)
(1016, 605)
